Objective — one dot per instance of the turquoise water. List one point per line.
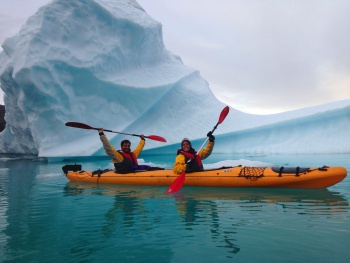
(45, 218)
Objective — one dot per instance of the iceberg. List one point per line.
(104, 63)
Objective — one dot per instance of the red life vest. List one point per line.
(198, 161)
(128, 165)
(130, 156)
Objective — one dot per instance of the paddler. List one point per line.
(125, 160)
(187, 159)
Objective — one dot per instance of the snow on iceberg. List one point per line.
(104, 63)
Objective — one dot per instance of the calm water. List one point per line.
(45, 218)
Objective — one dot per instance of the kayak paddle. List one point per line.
(87, 127)
(179, 181)
(177, 184)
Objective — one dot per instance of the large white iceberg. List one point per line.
(104, 63)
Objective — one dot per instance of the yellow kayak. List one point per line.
(238, 176)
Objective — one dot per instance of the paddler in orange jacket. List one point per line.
(125, 160)
(187, 159)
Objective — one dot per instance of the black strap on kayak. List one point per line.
(99, 172)
(280, 171)
(290, 170)
(323, 168)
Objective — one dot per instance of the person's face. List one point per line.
(126, 147)
(186, 146)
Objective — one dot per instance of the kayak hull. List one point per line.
(245, 177)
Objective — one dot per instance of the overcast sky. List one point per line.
(258, 56)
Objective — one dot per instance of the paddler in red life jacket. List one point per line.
(125, 160)
(187, 159)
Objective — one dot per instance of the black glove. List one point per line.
(189, 164)
(211, 136)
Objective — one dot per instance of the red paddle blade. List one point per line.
(79, 125)
(156, 138)
(177, 184)
(223, 114)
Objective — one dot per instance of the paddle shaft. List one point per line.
(222, 117)
(87, 127)
(207, 138)
(131, 134)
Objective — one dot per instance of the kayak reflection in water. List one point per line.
(187, 159)
(125, 160)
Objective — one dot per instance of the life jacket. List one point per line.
(130, 156)
(193, 161)
(128, 165)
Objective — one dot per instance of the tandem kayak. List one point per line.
(237, 176)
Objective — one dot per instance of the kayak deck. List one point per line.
(238, 176)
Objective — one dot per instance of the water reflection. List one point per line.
(123, 208)
(217, 211)
(207, 212)
(16, 183)
(42, 216)
(240, 196)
